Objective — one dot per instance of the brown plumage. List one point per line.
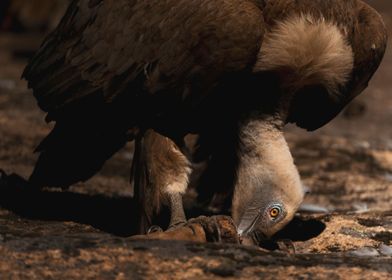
(223, 69)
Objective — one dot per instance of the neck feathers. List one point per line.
(306, 51)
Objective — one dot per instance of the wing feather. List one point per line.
(102, 47)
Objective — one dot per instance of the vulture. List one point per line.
(232, 72)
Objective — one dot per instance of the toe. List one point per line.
(154, 229)
(286, 246)
(177, 225)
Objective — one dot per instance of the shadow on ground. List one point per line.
(114, 215)
(109, 214)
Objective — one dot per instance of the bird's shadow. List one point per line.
(115, 215)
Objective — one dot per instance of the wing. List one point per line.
(112, 63)
(137, 47)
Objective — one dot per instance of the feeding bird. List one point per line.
(232, 72)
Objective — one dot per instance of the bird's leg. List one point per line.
(177, 213)
(173, 179)
(164, 175)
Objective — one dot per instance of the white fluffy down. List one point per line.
(311, 51)
(181, 181)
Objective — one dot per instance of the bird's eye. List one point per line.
(274, 212)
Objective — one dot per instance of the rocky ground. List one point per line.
(82, 233)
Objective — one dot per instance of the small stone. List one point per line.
(361, 208)
(362, 144)
(385, 250)
(312, 208)
(365, 252)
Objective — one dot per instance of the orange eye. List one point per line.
(274, 212)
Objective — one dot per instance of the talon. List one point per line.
(218, 230)
(286, 246)
(177, 225)
(154, 229)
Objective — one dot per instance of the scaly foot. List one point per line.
(177, 214)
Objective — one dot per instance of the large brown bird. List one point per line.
(234, 72)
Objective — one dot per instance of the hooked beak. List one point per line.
(247, 224)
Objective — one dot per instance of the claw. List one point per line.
(287, 246)
(177, 225)
(218, 230)
(154, 228)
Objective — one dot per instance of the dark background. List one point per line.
(347, 165)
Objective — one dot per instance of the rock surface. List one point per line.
(84, 232)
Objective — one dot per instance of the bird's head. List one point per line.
(268, 190)
(266, 208)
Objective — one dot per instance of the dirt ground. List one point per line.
(82, 232)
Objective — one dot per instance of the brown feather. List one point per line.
(180, 66)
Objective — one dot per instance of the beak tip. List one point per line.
(241, 231)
